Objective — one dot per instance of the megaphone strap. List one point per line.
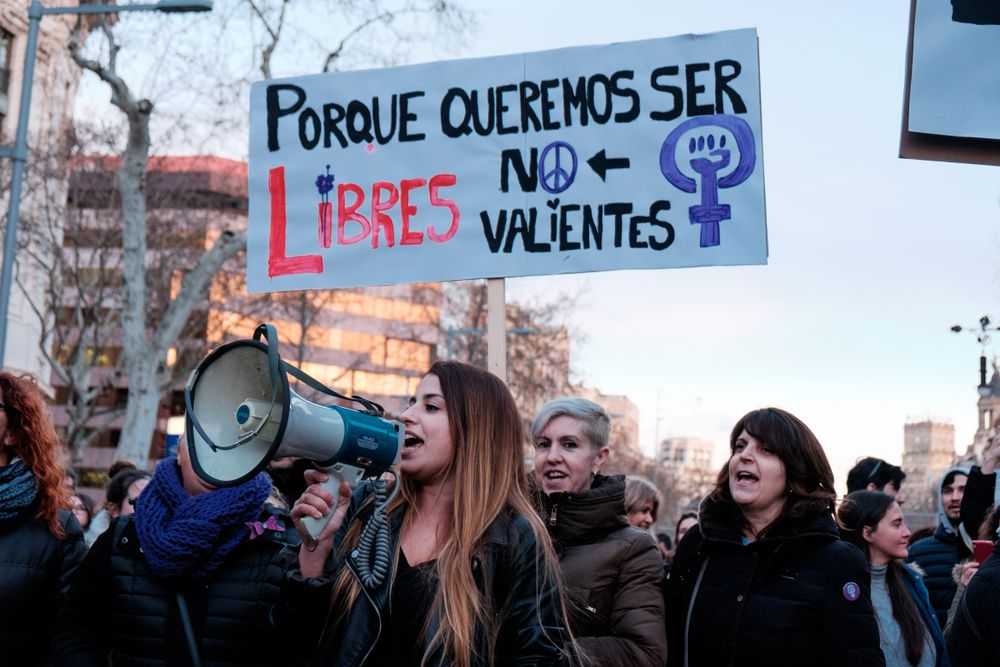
(371, 407)
(276, 364)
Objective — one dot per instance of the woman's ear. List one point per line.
(600, 459)
(866, 533)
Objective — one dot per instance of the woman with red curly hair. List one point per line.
(41, 543)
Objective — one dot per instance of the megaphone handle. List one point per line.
(337, 474)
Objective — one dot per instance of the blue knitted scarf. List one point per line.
(186, 536)
(18, 491)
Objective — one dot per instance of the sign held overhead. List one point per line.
(639, 155)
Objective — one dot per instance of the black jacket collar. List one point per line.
(722, 521)
(581, 518)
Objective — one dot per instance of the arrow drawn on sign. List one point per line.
(601, 163)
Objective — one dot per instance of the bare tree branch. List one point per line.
(194, 286)
(267, 52)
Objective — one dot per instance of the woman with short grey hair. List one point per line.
(611, 571)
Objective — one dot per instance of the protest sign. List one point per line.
(638, 155)
(951, 100)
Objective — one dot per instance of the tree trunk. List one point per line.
(140, 415)
(140, 361)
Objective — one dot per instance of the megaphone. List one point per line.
(241, 414)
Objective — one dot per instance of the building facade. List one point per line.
(928, 450)
(53, 94)
(987, 414)
(688, 468)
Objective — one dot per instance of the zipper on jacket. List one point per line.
(553, 515)
(687, 622)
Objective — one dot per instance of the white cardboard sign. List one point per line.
(638, 155)
(955, 75)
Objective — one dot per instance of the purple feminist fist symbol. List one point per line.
(324, 228)
(709, 213)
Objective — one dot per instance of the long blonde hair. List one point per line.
(490, 478)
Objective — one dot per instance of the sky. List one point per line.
(872, 258)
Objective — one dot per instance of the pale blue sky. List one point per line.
(872, 258)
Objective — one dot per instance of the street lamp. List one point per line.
(983, 337)
(19, 152)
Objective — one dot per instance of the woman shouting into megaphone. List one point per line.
(473, 578)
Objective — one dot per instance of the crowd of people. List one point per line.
(488, 561)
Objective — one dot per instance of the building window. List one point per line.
(6, 42)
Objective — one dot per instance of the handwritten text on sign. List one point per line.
(637, 155)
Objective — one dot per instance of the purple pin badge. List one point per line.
(851, 591)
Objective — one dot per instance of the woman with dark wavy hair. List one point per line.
(41, 543)
(764, 577)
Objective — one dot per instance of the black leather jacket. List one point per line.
(530, 627)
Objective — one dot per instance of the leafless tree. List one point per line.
(145, 347)
(538, 341)
(77, 303)
(157, 301)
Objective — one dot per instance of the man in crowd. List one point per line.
(938, 554)
(872, 474)
(972, 638)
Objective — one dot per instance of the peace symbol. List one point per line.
(552, 176)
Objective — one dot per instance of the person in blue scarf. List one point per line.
(41, 542)
(191, 578)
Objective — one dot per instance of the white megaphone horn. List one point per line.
(241, 414)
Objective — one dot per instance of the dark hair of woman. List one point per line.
(87, 503)
(863, 509)
(677, 527)
(118, 466)
(118, 486)
(807, 471)
(991, 522)
(35, 441)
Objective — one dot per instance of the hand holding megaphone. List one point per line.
(242, 413)
(317, 503)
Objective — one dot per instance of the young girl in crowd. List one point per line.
(763, 578)
(473, 577)
(41, 543)
(612, 571)
(908, 627)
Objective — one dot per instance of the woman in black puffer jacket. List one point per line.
(612, 572)
(764, 579)
(193, 577)
(41, 543)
